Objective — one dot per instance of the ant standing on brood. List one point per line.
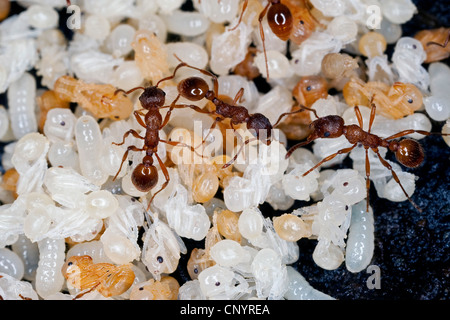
(145, 175)
(407, 151)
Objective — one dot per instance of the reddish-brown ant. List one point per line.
(145, 176)
(289, 20)
(196, 88)
(407, 151)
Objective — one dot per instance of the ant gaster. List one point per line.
(145, 176)
(196, 88)
(407, 151)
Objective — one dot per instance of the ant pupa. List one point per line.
(407, 151)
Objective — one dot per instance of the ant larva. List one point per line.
(145, 176)
(407, 151)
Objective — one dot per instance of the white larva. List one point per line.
(300, 289)
(360, 241)
(22, 101)
(89, 142)
(11, 264)
(49, 279)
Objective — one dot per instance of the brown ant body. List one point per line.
(289, 20)
(407, 151)
(196, 88)
(145, 175)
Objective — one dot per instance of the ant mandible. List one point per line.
(407, 151)
(196, 88)
(145, 175)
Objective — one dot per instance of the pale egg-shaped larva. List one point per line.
(97, 27)
(118, 247)
(191, 53)
(250, 223)
(300, 289)
(94, 249)
(343, 28)
(11, 264)
(227, 253)
(399, 11)
(119, 40)
(101, 204)
(187, 23)
(127, 76)
(42, 16)
(29, 253)
(327, 255)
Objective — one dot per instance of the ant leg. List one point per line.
(78, 296)
(137, 115)
(263, 38)
(181, 144)
(229, 163)
(410, 131)
(195, 108)
(394, 175)
(133, 133)
(367, 179)
(441, 45)
(359, 116)
(372, 113)
(166, 175)
(331, 156)
(295, 147)
(302, 108)
(129, 91)
(169, 112)
(244, 7)
(238, 96)
(125, 156)
(209, 131)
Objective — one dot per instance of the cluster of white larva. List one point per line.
(75, 194)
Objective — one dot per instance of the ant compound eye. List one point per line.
(326, 134)
(160, 259)
(308, 88)
(302, 22)
(414, 46)
(410, 100)
(70, 263)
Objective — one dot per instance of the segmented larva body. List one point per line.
(360, 241)
(21, 100)
(300, 289)
(49, 279)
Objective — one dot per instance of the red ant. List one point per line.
(291, 20)
(196, 88)
(145, 175)
(407, 151)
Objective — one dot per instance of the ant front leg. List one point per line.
(238, 97)
(394, 175)
(331, 156)
(181, 144)
(133, 133)
(367, 179)
(209, 131)
(302, 109)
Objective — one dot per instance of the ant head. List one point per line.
(152, 97)
(193, 88)
(411, 95)
(408, 152)
(327, 127)
(73, 265)
(260, 126)
(144, 176)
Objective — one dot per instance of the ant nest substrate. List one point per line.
(139, 126)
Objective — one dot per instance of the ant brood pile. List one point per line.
(146, 129)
